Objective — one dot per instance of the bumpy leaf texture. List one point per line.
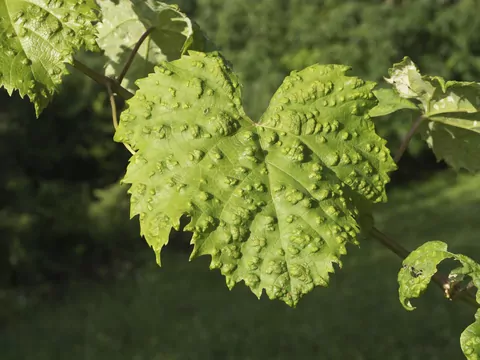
(451, 110)
(37, 39)
(274, 203)
(416, 273)
(125, 21)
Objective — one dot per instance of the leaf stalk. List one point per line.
(406, 141)
(133, 53)
(102, 79)
(113, 105)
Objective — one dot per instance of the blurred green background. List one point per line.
(78, 282)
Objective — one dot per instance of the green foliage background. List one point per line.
(62, 219)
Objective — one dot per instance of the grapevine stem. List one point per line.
(404, 145)
(439, 279)
(102, 79)
(133, 53)
(114, 114)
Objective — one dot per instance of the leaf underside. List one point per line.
(37, 38)
(416, 273)
(126, 21)
(274, 203)
(451, 109)
(448, 142)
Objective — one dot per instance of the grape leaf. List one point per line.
(470, 339)
(125, 21)
(389, 102)
(274, 203)
(467, 121)
(415, 275)
(459, 148)
(418, 269)
(408, 82)
(451, 110)
(37, 38)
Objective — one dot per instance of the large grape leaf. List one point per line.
(37, 38)
(125, 21)
(416, 273)
(451, 109)
(274, 203)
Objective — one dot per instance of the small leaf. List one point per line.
(408, 82)
(125, 21)
(415, 275)
(389, 101)
(470, 339)
(451, 108)
(273, 203)
(38, 39)
(418, 269)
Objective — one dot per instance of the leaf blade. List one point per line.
(41, 37)
(416, 273)
(458, 147)
(344, 139)
(418, 269)
(389, 102)
(126, 21)
(199, 155)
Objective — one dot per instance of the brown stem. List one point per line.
(404, 145)
(439, 279)
(102, 79)
(133, 53)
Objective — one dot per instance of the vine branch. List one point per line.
(404, 145)
(133, 53)
(439, 279)
(102, 79)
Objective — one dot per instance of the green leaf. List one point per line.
(451, 109)
(125, 21)
(37, 38)
(274, 203)
(199, 41)
(470, 339)
(453, 97)
(415, 275)
(467, 121)
(418, 269)
(389, 101)
(458, 147)
(408, 82)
